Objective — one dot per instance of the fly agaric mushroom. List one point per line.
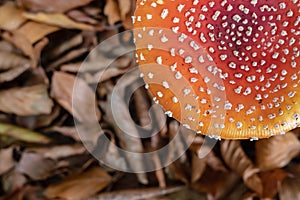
(247, 50)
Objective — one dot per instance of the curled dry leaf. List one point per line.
(276, 152)
(22, 134)
(57, 19)
(235, 157)
(32, 100)
(62, 91)
(79, 187)
(10, 16)
(54, 6)
(29, 162)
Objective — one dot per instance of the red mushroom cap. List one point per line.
(238, 62)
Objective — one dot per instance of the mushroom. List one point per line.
(231, 66)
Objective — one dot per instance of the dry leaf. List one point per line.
(55, 6)
(57, 19)
(79, 187)
(29, 162)
(290, 189)
(6, 46)
(21, 42)
(10, 59)
(82, 17)
(277, 151)
(216, 184)
(13, 181)
(34, 31)
(62, 92)
(235, 157)
(32, 100)
(6, 160)
(22, 134)
(64, 47)
(112, 11)
(68, 131)
(58, 152)
(271, 181)
(10, 16)
(138, 194)
(126, 11)
(198, 168)
(14, 65)
(13, 73)
(125, 127)
(34, 122)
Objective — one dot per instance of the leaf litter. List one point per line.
(42, 47)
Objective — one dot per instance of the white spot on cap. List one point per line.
(164, 13)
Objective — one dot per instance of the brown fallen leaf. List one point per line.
(130, 138)
(7, 161)
(271, 181)
(34, 31)
(112, 11)
(6, 46)
(13, 73)
(54, 6)
(82, 17)
(21, 42)
(10, 16)
(29, 162)
(57, 152)
(235, 157)
(276, 152)
(36, 76)
(22, 134)
(57, 19)
(126, 11)
(216, 184)
(68, 57)
(12, 181)
(62, 48)
(12, 65)
(138, 194)
(67, 131)
(83, 98)
(198, 168)
(79, 187)
(178, 171)
(24, 101)
(34, 122)
(290, 189)
(10, 60)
